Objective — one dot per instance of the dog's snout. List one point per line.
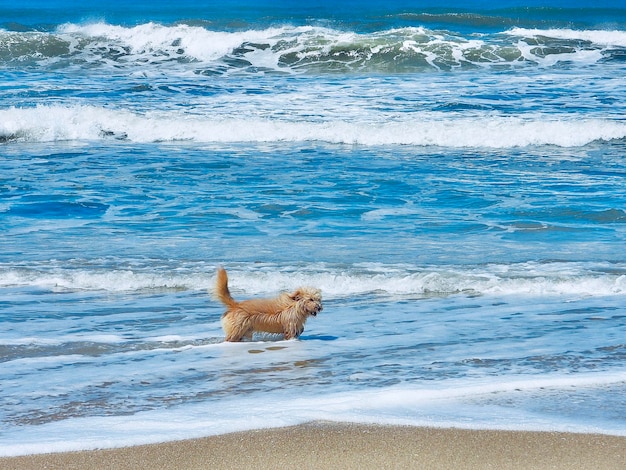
(316, 308)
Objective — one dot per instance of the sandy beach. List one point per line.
(352, 446)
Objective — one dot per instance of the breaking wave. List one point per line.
(296, 49)
(382, 281)
(83, 123)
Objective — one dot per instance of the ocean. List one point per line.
(451, 177)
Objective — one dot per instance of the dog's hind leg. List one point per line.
(235, 332)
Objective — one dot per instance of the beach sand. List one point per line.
(352, 446)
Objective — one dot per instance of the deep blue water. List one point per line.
(451, 177)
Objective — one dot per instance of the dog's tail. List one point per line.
(221, 288)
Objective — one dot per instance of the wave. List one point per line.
(377, 281)
(86, 123)
(295, 49)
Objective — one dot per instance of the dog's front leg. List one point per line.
(292, 331)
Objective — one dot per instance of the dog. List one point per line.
(285, 314)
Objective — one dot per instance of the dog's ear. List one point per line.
(296, 296)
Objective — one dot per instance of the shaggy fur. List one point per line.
(284, 314)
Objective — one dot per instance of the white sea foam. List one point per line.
(380, 281)
(83, 123)
(429, 406)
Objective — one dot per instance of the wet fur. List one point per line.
(285, 314)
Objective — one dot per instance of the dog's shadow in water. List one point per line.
(318, 337)
(276, 338)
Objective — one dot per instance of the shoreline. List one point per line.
(351, 446)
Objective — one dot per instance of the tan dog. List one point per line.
(284, 314)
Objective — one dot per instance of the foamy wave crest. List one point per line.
(381, 282)
(115, 280)
(295, 49)
(66, 123)
(160, 42)
(553, 46)
(597, 37)
(386, 281)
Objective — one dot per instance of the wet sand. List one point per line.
(352, 446)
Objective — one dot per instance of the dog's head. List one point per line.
(310, 300)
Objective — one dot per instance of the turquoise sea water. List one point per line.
(451, 177)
